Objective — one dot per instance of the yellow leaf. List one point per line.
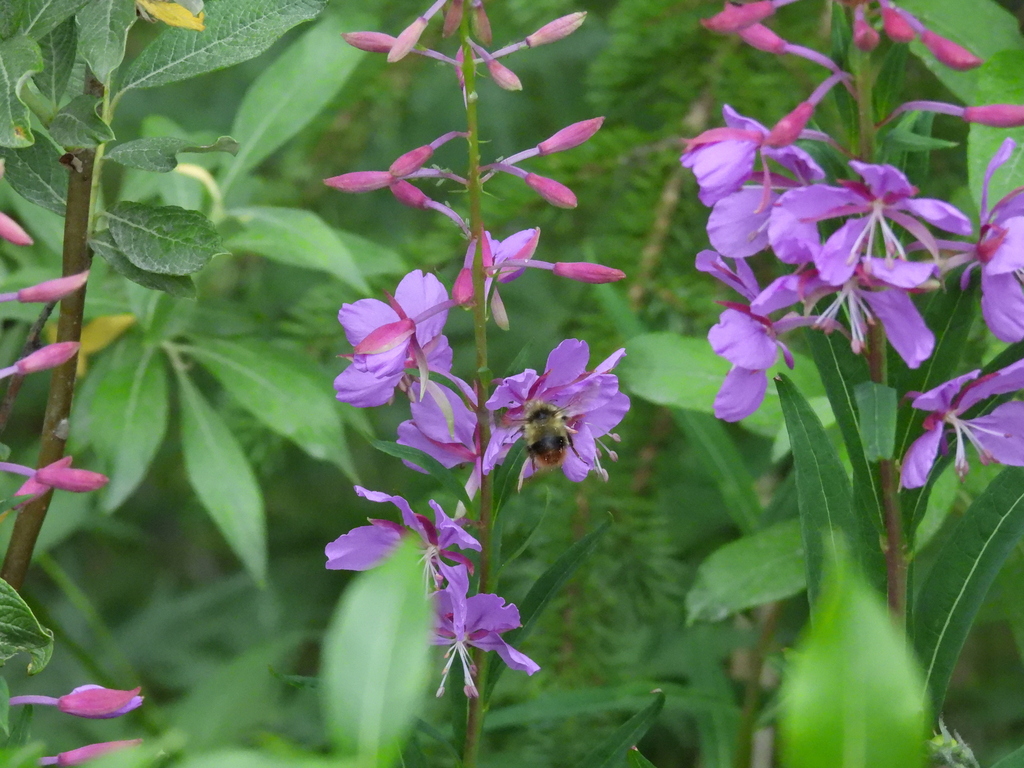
(96, 335)
(172, 14)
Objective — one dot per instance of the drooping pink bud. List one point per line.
(896, 26)
(407, 40)
(555, 193)
(736, 17)
(84, 754)
(570, 136)
(555, 30)
(48, 357)
(481, 24)
(452, 18)
(407, 194)
(52, 290)
(949, 53)
(865, 37)
(787, 130)
(503, 76)
(12, 232)
(996, 115)
(95, 701)
(762, 38)
(585, 272)
(411, 161)
(371, 42)
(462, 291)
(62, 475)
(386, 338)
(360, 181)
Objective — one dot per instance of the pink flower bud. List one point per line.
(585, 272)
(736, 17)
(11, 231)
(62, 475)
(762, 38)
(409, 195)
(462, 291)
(407, 40)
(94, 701)
(896, 26)
(570, 136)
(83, 754)
(49, 356)
(360, 181)
(787, 130)
(481, 24)
(386, 338)
(555, 193)
(52, 290)
(371, 42)
(555, 30)
(411, 161)
(503, 76)
(452, 18)
(949, 53)
(996, 115)
(864, 36)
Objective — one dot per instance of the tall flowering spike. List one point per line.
(555, 30)
(949, 53)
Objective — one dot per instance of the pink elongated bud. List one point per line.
(94, 701)
(555, 193)
(360, 181)
(407, 40)
(503, 76)
(12, 231)
(452, 18)
(481, 24)
(585, 272)
(411, 161)
(996, 115)
(62, 475)
(555, 30)
(865, 37)
(407, 194)
(949, 53)
(91, 752)
(571, 136)
(896, 26)
(386, 338)
(52, 290)
(762, 38)
(462, 291)
(371, 42)
(787, 130)
(736, 17)
(49, 356)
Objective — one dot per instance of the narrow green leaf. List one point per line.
(103, 30)
(37, 175)
(21, 632)
(223, 479)
(635, 760)
(613, 750)
(165, 239)
(1013, 760)
(78, 125)
(433, 467)
(296, 237)
(754, 570)
(58, 49)
(176, 285)
(999, 82)
(961, 575)
(39, 17)
(877, 406)
(20, 58)
(21, 727)
(159, 153)
(5, 708)
(904, 139)
(239, 30)
(889, 82)
(376, 658)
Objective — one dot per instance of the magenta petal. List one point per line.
(736, 227)
(1002, 305)
(743, 341)
(1009, 256)
(603, 420)
(1005, 380)
(1002, 433)
(741, 394)
(361, 548)
(939, 214)
(418, 292)
(797, 161)
(903, 324)
(920, 458)
(450, 533)
(884, 179)
(721, 168)
(940, 398)
(741, 279)
(794, 241)
(364, 390)
(577, 467)
(513, 658)
(836, 261)
(490, 613)
(362, 317)
(567, 362)
(899, 273)
(780, 293)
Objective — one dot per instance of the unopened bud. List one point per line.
(52, 290)
(61, 475)
(411, 161)
(896, 26)
(49, 356)
(94, 701)
(865, 37)
(503, 76)
(788, 129)
(949, 53)
(409, 195)
(462, 291)
(585, 272)
(996, 115)
(407, 40)
(481, 24)
(570, 136)
(386, 338)
(452, 18)
(360, 181)
(371, 42)
(555, 30)
(12, 232)
(736, 17)
(762, 38)
(91, 752)
(552, 191)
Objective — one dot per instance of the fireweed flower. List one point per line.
(60, 474)
(91, 752)
(48, 290)
(476, 621)
(367, 546)
(10, 230)
(997, 436)
(519, 247)
(590, 400)
(92, 701)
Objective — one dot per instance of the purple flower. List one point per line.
(84, 754)
(590, 400)
(367, 546)
(92, 701)
(476, 621)
(519, 247)
(998, 436)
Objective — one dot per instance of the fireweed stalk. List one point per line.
(399, 348)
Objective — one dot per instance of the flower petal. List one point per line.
(361, 548)
(920, 457)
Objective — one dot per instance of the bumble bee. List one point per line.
(547, 434)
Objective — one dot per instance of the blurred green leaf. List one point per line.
(37, 175)
(999, 82)
(20, 730)
(1013, 760)
(236, 31)
(296, 237)
(21, 632)
(952, 593)
(876, 404)
(78, 125)
(903, 139)
(5, 708)
(612, 750)
(159, 153)
(250, 758)
(165, 239)
(376, 658)
(635, 760)
(58, 49)
(38, 17)
(21, 757)
(853, 694)
(753, 570)
(888, 88)
(176, 285)
(20, 57)
(427, 462)
(103, 30)
(223, 479)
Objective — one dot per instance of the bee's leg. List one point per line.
(569, 437)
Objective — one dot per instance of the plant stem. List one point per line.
(76, 258)
(752, 694)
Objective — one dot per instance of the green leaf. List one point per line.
(21, 632)
(159, 153)
(754, 570)
(268, 382)
(635, 760)
(853, 694)
(999, 82)
(164, 239)
(103, 30)
(1013, 760)
(37, 174)
(20, 57)
(5, 708)
(877, 406)
(434, 468)
(176, 285)
(294, 89)
(376, 658)
(78, 125)
(903, 139)
(239, 30)
(961, 575)
(39, 17)
(612, 750)
(21, 728)
(223, 479)
(889, 82)
(58, 49)
(296, 237)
